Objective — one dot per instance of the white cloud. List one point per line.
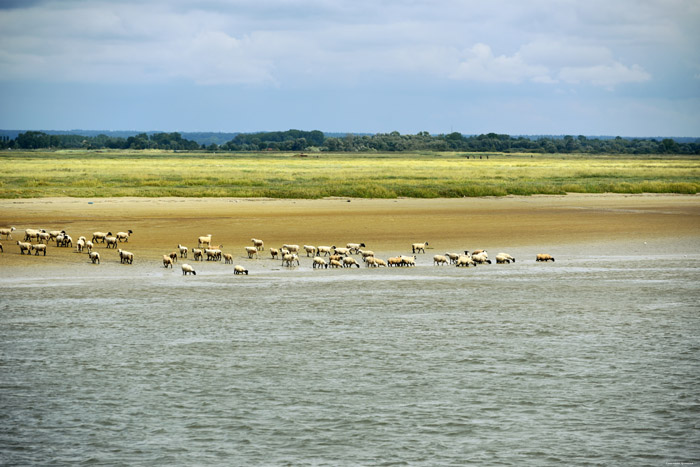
(481, 65)
(607, 75)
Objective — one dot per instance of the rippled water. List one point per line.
(581, 362)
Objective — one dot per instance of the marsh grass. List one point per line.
(415, 175)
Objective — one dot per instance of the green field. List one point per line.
(319, 175)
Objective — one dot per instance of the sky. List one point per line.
(537, 67)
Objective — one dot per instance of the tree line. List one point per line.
(316, 141)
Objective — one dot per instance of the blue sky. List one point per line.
(623, 67)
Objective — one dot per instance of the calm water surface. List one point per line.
(590, 361)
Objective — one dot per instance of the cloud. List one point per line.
(481, 65)
(607, 75)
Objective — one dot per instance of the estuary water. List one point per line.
(587, 361)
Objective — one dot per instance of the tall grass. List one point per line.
(418, 175)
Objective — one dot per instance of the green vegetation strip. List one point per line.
(279, 175)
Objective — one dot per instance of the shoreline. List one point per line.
(539, 222)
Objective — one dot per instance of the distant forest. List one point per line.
(317, 141)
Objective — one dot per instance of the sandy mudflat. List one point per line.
(532, 224)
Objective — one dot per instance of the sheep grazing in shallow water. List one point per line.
(349, 262)
(7, 233)
(289, 259)
(94, 257)
(173, 256)
(408, 261)
(334, 263)
(326, 250)
(373, 262)
(167, 262)
(544, 257)
(440, 260)
(366, 254)
(183, 250)
(238, 269)
(251, 251)
(502, 258)
(481, 258)
(419, 247)
(394, 261)
(355, 247)
(453, 257)
(187, 269)
(340, 251)
(465, 261)
(319, 263)
(258, 244)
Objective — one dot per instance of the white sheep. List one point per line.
(111, 242)
(355, 247)
(251, 251)
(228, 258)
(167, 262)
(187, 269)
(310, 250)
(274, 252)
(366, 254)
(419, 247)
(289, 259)
(126, 257)
(94, 257)
(504, 258)
(258, 244)
(453, 257)
(394, 261)
(465, 261)
(238, 269)
(372, 262)
(326, 250)
(340, 250)
(291, 248)
(80, 245)
(198, 254)
(478, 252)
(124, 236)
(213, 254)
(89, 246)
(440, 260)
(97, 236)
(408, 261)
(24, 246)
(7, 233)
(39, 247)
(544, 257)
(481, 258)
(334, 263)
(43, 237)
(349, 262)
(204, 240)
(31, 234)
(183, 250)
(55, 233)
(66, 241)
(319, 263)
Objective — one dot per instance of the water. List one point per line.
(588, 361)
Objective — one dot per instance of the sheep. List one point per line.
(478, 252)
(504, 258)
(289, 259)
(173, 256)
(349, 262)
(379, 262)
(66, 241)
(213, 254)
(43, 236)
(544, 257)
(55, 233)
(79, 245)
(310, 249)
(274, 252)
(251, 251)
(419, 247)
(111, 242)
(7, 233)
(167, 262)
(31, 234)
(373, 262)
(198, 254)
(408, 261)
(204, 240)
(187, 269)
(326, 250)
(124, 236)
(394, 261)
(39, 247)
(89, 246)
(319, 263)
(183, 250)
(334, 263)
(291, 248)
(481, 258)
(283, 251)
(228, 258)
(453, 257)
(24, 246)
(2, 250)
(336, 257)
(126, 257)
(238, 269)
(366, 254)
(94, 257)
(355, 247)
(97, 236)
(258, 244)
(340, 250)
(465, 261)
(440, 260)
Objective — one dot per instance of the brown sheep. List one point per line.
(544, 257)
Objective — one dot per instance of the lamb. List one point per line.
(94, 257)
(544, 257)
(126, 256)
(111, 242)
(89, 246)
(274, 252)
(97, 236)
(24, 246)
(187, 269)
(453, 257)
(326, 250)
(440, 260)
(408, 261)
(167, 262)
(349, 262)
(228, 258)
(310, 249)
(289, 259)
(504, 258)
(252, 251)
(204, 240)
(355, 247)
(418, 247)
(319, 263)
(124, 236)
(334, 263)
(183, 250)
(258, 244)
(80, 244)
(7, 233)
(198, 254)
(39, 247)
(465, 261)
(238, 269)
(481, 258)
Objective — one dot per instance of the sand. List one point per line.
(533, 224)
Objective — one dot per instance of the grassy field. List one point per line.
(276, 175)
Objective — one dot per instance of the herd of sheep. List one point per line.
(37, 241)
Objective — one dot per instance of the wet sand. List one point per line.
(534, 223)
